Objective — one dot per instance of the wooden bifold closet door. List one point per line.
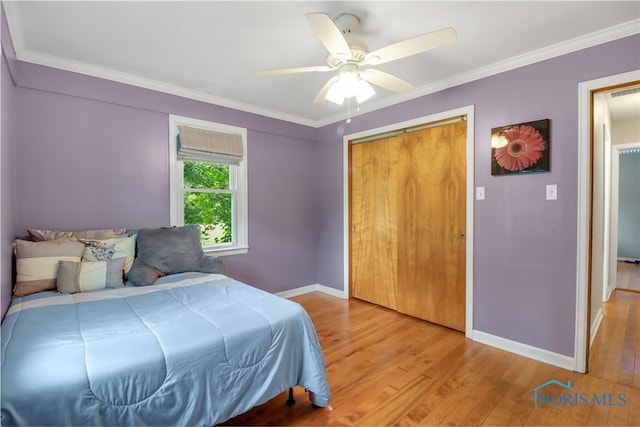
(408, 218)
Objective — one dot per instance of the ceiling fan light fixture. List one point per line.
(364, 91)
(335, 94)
(349, 85)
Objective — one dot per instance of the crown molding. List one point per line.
(589, 40)
(156, 85)
(583, 42)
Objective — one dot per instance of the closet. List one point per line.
(408, 217)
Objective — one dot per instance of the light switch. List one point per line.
(479, 193)
(552, 192)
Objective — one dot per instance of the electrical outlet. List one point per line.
(552, 192)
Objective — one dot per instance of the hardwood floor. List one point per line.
(385, 368)
(628, 276)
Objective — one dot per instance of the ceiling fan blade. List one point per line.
(386, 81)
(329, 34)
(290, 71)
(411, 46)
(320, 97)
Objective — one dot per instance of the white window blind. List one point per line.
(203, 145)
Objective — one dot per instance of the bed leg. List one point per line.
(291, 401)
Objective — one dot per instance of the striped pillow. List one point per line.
(37, 264)
(44, 235)
(89, 276)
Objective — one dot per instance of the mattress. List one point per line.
(194, 349)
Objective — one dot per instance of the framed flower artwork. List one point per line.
(520, 148)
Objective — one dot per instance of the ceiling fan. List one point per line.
(348, 55)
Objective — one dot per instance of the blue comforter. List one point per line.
(196, 349)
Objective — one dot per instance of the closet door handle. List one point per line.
(463, 238)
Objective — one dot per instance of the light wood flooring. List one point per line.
(628, 276)
(385, 368)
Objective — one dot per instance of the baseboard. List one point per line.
(313, 288)
(595, 325)
(634, 260)
(610, 291)
(525, 350)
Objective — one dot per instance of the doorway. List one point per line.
(591, 252)
(385, 248)
(624, 263)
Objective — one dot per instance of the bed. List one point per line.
(192, 349)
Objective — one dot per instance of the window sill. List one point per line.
(235, 250)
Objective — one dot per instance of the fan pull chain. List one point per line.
(349, 110)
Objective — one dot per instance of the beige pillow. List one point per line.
(89, 276)
(37, 264)
(115, 247)
(43, 235)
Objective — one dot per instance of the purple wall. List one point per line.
(281, 214)
(7, 182)
(94, 153)
(525, 246)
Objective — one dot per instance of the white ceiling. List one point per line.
(206, 49)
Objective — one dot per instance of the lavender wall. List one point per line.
(525, 246)
(7, 187)
(94, 153)
(7, 204)
(281, 214)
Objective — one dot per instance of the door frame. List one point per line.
(583, 241)
(469, 112)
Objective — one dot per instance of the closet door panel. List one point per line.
(374, 221)
(431, 225)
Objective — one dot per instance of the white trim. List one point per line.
(469, 112)
(470, 215)
(584, 213)
(525, 350)
(157, 85)
(240, 244)
(606, 238)
(345, 209)
(582, 42)
(614, 194)
(312, 288)
(563, 48)
(595, 325)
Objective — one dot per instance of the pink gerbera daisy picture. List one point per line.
(520, 147)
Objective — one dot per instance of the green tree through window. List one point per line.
(208, 200)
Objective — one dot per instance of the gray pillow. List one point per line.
(170, 250)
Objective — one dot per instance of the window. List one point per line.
(208, 174)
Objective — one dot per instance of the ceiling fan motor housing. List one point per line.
(358, 50)
(347, 22)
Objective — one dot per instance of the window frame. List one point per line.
(237, 182)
